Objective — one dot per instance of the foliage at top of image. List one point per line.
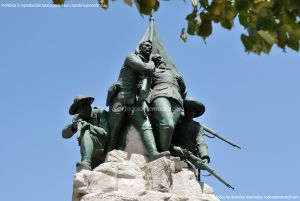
(266, 22)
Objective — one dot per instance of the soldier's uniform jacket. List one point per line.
(99, 118)
(129, 78)
(189, 135)
(167, 83)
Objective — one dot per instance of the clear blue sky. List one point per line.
(50, 55)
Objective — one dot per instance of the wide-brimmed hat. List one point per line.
(194, 105)
(79, 100)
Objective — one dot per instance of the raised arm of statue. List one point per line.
(68, 131)
(135, 62)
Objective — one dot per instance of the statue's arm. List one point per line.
(201, 145)
(68, 131)
(182, 86)
(135, 62)
(99, 128)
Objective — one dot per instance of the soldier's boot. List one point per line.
(81, 166)
(150, 145)
(86, 150)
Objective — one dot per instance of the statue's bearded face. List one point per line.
(146, 49)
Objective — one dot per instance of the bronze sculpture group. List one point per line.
(152, 96)
(99, 131)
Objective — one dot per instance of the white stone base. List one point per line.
(125, 177)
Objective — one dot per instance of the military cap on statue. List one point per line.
(194, 105)
(79, 100)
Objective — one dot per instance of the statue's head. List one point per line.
(145, 48)
(156, 58)
(82, 106)
(158, 61)
(192, 108)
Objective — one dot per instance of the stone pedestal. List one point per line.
(128, 177)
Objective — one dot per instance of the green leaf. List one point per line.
(228, 17)
(265, 20)
(192, 15)
(295, 34)
(156, 6)
(228, 24)
(128, 2)
(215, 9)
(242, 4)
(293, 43)
(218, 1)
(282, 39)
(247, 43)
(257, 48)
(244, 18)
(146, 6)
(259, 4)
(267, 37)
(194, 3)
(205, 28)
(191, 27)
(266, 47)
(58, 2)
(204, 3)
(103, 3)
(183, 35)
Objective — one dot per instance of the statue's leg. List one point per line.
(163, 114)
(176, 111)
(116, 117)
(143, 125)
(86, 149)
(98, 156)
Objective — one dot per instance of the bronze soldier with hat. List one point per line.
(91, 125)
(188, 133)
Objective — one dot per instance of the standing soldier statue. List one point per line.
(91, 126)
(168, 92)
(123, 102)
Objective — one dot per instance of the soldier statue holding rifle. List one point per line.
(91, 126)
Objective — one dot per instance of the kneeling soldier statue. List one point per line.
(91, 126)
(188, 140)
(189, 133)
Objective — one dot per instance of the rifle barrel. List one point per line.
(196, 162)
(220, 137)
(211, 171)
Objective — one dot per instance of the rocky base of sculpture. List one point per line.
(125, 177)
